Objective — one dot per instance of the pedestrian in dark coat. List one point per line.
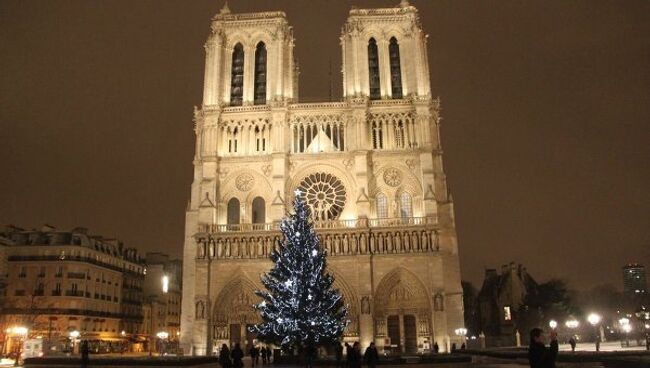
(355, 356)
(263, 354)
(224, 356)
(539, 356)
(338, 351)
(237, 354)
(255, 355)
(371, 355)
(348, 354)
(436, 348)
(572, 342)
(85, 350)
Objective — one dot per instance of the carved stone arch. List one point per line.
(263, 35)
(234, 302)
(395, 31)
(350, 299)
(260, 187)
(401, 291)
(304, 170)
(408, 181)
(240, 36)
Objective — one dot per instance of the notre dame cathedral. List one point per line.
(370, 166)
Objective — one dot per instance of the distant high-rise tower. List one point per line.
(634, 280)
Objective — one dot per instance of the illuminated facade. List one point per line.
(370, 165)
(64, 281)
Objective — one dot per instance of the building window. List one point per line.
(232, 140)
(259, 210)
(395, 70)
(373, 70)
(260, 74)
(507, 316)
(23, 272)
(377, 138)
(382, 206)
(237, 81)
(233, 211)
(406, 205)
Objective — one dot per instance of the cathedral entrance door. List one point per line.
(394, 335)
(235, 334)
(249, 339)
(410, 334)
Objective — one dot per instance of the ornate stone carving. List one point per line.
(244, 182)
(392, 177)
(348, 163)
(266, 169)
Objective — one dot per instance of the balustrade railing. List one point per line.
(328, 224)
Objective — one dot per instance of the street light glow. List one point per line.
(594, 319)
(20, 330)
(74, 334)
(461, 331)
(553, 324)
(162, 335)
(627, 328)
(624, 321)
(572, 323)
(165, 284)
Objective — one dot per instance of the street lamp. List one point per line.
(594, 320)
(552, 324)
(21, 332)
(162, 335)
(626, 327)
(572, 324)
(461, 332)
(74, 335)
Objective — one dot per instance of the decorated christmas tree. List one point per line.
(299, 307)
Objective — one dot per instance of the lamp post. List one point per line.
(20, 332)
(461, 332)
(552, 324)
(594, 320)
(162, 336)
(74, 335)
(625, 326)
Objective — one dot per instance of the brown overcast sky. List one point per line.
(546, 108)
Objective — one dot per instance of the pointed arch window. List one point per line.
(259, 210)
(395, 69)
(382, 206)
(373, 70)
(237, 76)
(405, 205)
(260, 74)
(233, 211)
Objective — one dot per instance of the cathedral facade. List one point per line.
(370, 167)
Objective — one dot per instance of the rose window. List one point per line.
(325, 195)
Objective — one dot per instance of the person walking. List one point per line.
(539, 356)
(224, 357)
(263, 354)
(371, 355)
(348, 355)
(237, 354)
(355, 356)
(572, 342)
(436, 347)
(255, 355)
(338, 351)
(85, 350)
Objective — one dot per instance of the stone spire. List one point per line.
(225, 9)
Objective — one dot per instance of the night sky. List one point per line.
(545, 105)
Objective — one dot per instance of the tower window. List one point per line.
(395, 70)
(382, 206)
(406, 205)
(260, 74)
(373, 70)
(237, 81)
(233, 211)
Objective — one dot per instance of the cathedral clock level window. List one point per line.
(382, 206)
(395, 70)
(233, 211)
(260, 74)
(406, 205)
(373, 70)
(237, 81)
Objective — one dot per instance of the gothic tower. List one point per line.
(370, 165)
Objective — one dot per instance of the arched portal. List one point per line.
(233, 313)
(402, 311)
